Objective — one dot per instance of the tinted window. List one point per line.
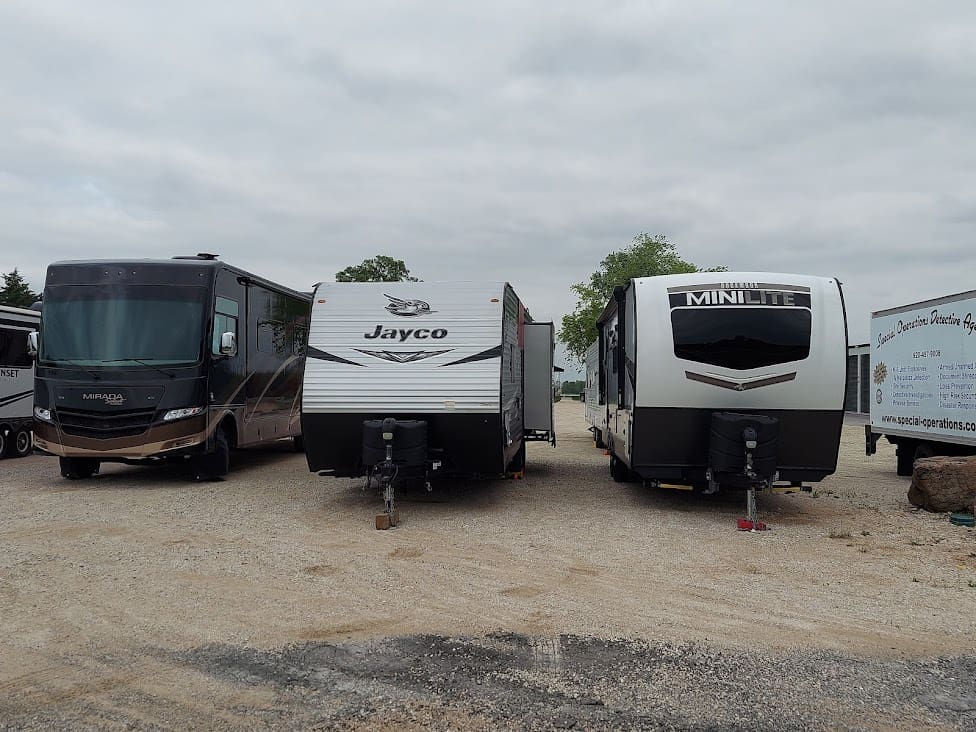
(97, 325)
(13, 349)
(741, 338)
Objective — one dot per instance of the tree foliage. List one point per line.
(16, 292)
(380, 268)
(646, 256)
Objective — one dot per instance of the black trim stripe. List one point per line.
(25, 324)
(495, 352)
(7, 401)
(739, 385)
(312, 352)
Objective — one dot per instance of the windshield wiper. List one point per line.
(56, 361)
(143, 362)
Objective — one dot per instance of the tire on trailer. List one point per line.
(619, 470)
(298, 443)
(518, 461)
(74, 468)
(3, 442)
(598, 438)
(905, 458)
(925, 450)
(22, 443)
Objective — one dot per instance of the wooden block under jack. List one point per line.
(386, 521)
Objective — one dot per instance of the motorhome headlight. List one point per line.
(181, 413)
(42, 414)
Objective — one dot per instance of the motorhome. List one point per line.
(463, 360)
(723, 379)
(16, 380)
(179, 360)
(923, 379)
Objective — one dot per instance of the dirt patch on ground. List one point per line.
(113, 593)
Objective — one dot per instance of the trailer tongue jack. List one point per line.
(751, 522)
(387, 474)
(743, 454)
(393, 450)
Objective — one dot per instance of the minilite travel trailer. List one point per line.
(16, 380)
(724, 379)
(180, 360)
(923, 373)
(458, 366)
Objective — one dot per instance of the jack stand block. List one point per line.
(752, 523)
(747, 525)
(386, 521)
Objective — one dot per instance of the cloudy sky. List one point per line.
(507, 140)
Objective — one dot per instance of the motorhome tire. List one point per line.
(215, 465)
(619, 470)
(23, 443)
(925, 450)
(78, 468)
(3, 444)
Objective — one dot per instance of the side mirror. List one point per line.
(32, 343)
(228, 343)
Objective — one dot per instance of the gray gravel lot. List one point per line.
(140, 600)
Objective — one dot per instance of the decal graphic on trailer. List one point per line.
(407, 308)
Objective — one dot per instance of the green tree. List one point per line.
(646, 256)
(378, 269)
(16, 292)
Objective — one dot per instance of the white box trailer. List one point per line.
(463, 358)
(693, 361)
(923, 379)
(16, 380)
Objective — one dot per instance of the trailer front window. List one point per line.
(122, 325)
(741, 338)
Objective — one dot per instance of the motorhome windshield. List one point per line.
(741, 338)
(122, 325)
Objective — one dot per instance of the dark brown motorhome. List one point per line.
(180, 360)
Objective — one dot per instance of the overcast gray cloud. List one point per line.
(501, 142)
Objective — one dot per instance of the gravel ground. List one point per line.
(140, 600)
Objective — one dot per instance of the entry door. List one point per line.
(227, 372)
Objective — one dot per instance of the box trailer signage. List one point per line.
(924, 370)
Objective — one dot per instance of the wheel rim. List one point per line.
(23, 442)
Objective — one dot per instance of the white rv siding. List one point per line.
(16, 373)
(596, 411)
(344, 314)
(819, 379)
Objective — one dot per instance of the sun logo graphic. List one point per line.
(880, 373)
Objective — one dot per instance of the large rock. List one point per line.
(944, 483)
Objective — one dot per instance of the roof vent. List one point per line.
(205, 256)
